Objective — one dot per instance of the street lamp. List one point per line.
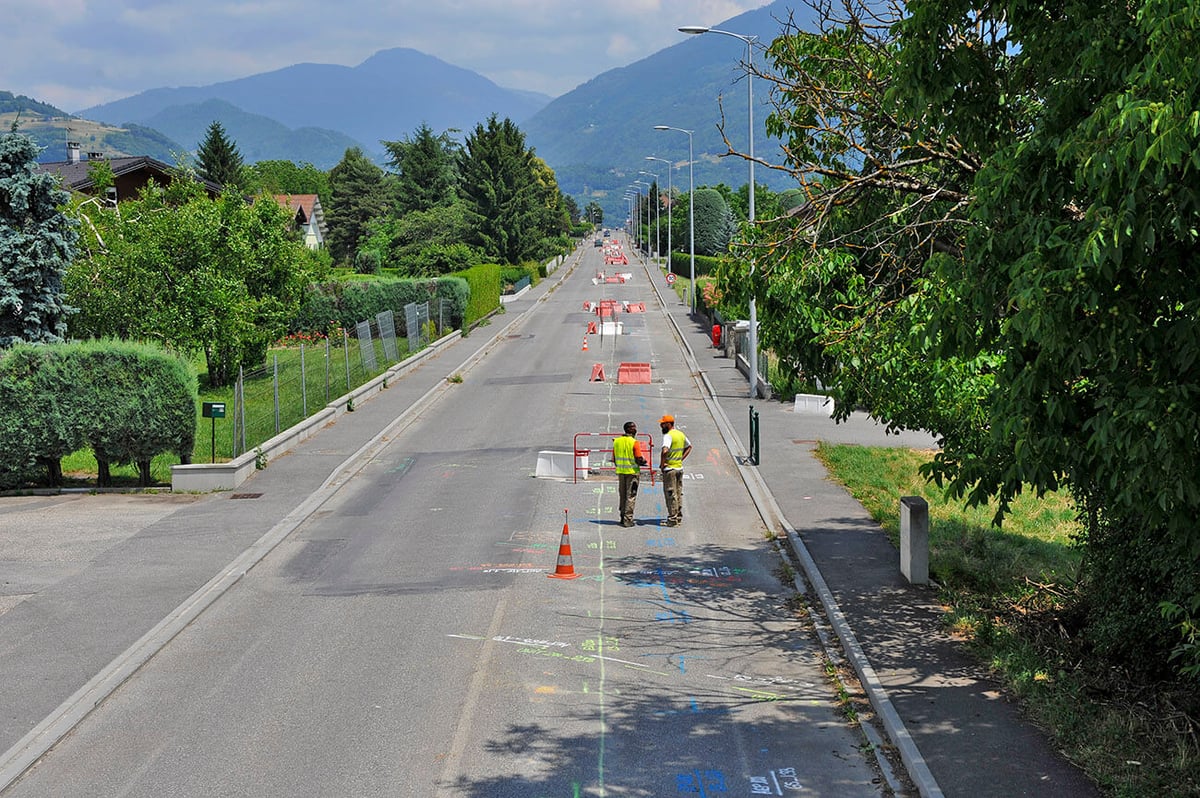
(647, 185)
(670, 168)
(749, 40)
(691, 211)
(657, 214)
(635, 218)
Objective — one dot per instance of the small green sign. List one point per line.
(213, 410)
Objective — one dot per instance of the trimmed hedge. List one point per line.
(344, 304)
(128, 402)
(484, 282)
(681, 264)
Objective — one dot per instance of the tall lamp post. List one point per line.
(670, 168)
(749, 41)
(691, 212)
(641, 183)
(636, 188)
(657, 215)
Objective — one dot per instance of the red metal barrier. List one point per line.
(606, 439)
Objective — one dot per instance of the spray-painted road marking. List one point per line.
(701, 782)
(775, 782)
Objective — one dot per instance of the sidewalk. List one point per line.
(969, 738)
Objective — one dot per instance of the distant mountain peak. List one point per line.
(386, 97)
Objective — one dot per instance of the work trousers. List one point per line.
(627, 486)
(673, 492)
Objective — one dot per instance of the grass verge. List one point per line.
(1010, 594)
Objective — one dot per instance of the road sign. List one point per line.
(670, 278)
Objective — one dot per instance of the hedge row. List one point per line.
(344, 304)
(127, 402)
(681, 264)
(484, 282)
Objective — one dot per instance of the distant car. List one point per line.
(599, 243)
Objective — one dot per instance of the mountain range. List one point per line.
(596, 137)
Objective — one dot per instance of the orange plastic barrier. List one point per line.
(597, 373)
(635, 307)
(633, 374)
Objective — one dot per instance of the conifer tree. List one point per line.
(37, 243)
(425, 168)
(359, 193)
(218, 158)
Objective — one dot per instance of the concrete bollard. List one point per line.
(914, 539)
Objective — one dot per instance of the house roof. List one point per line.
(306, 207)
(75, 174)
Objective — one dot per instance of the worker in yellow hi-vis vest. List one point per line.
(629, 459)
(675, 449)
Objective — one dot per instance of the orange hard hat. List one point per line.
(667, 420)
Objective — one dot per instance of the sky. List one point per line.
(75, 54)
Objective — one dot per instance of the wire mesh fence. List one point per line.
(297, 382)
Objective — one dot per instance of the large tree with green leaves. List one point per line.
(220, 276)
(218, 158)
(359, 192)
(426, 169)
(287, 177)
(999, 245)
(1081, 264)
(37, 242)
(511, 197)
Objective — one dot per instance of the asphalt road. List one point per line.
(404, 639)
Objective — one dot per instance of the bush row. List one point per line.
(681, 264)
(484, 297)
(127, 402)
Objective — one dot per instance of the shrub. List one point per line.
(142, 402)
(129, 402)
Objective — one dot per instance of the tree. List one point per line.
(416, 242)
(359, 193)
(218, 158)
(174, 266)
(714, 222)
(511, 198)
(1081, 264)
(573, 212)
(426, 169)
(999, 244)
(37, 242)
(286, 177)
(593, 213)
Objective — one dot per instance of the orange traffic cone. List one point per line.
(565, 568)
(585, 343)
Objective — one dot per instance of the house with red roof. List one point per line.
(308, 216)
